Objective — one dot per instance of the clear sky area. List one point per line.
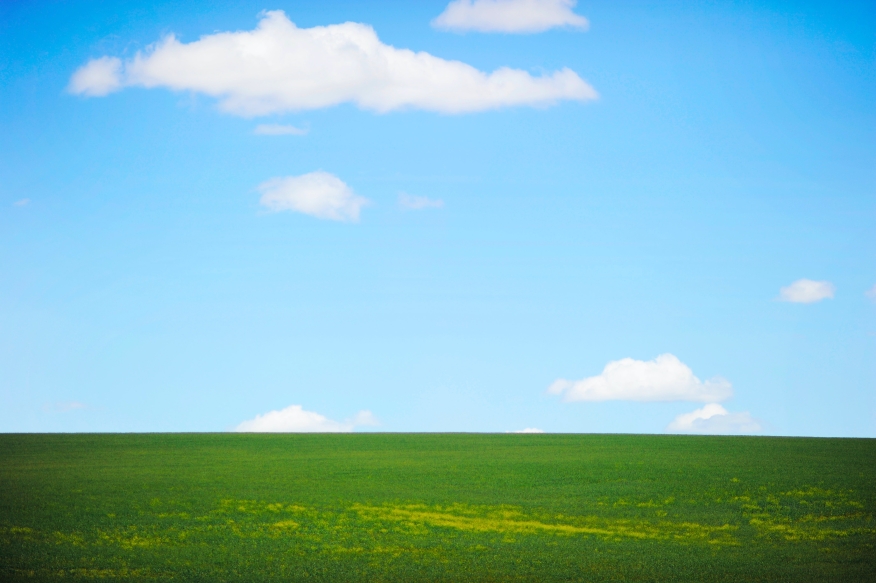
(488, 216)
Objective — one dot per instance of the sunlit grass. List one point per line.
(454, 507)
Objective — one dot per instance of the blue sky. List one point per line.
(562, 241)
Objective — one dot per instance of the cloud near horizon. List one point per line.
(807, 291)
(714, 419)
(509, 16)
(294, 419)
(278, 67)
(663, 379)
(319, 194)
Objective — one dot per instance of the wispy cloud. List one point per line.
(294, 419)
(64, 407)
(279, 130)
(807, 291)
(663, 379)
(413, 202)
(716, 420)
(279, 67)
(22, 202)
(512, 16)
(871, 293)
(528, 430)
(318, 194)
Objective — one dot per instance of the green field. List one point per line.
(430, 507)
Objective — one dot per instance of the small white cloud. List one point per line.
(318, 194)
(279, 67)
(663, 379)
(715, 420)
(278, 130)
(294, 419)
(365, 418)
(98, 77)
(414, 202)
(528, 430)
(807, 291)
(515, 16)
(871, 293)
(22, 202)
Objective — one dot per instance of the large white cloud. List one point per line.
(318, 194)
(279, 67)
(294, 419)
(663, 379)
(807, 291)
(520, 16)
(716, 420)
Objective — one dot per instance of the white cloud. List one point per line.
(278, 130)
(98, 77)
(414, 202)
(520, 16)
(22, 202)
(279, 67)
(663, 379)
(318, 194)
(364, 418)
(807, 291)
(715, 419)
(294, 419)
(528, 430)
(871, 293)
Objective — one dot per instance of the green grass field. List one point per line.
(402, 507)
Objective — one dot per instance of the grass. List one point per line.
(426, 507)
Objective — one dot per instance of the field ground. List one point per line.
(431, 507)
